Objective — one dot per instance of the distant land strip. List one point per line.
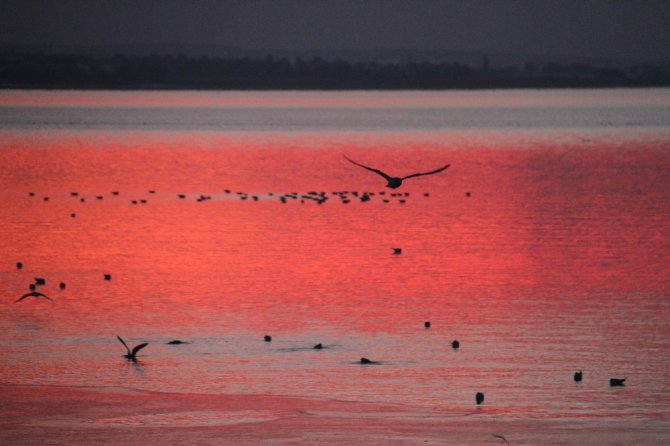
(157, 72)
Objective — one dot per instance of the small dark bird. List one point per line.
(614, 382)
(176, 342)
(397, 251)
(268, 338)
(108, 277)
(426, 324)
(318, 346)
(395, 182)
(479, 398)
(19, 265)
(131, 354)
(578, 376)
(367, 361)
(455, 344)
(32, 287)
(33, 294)
(62, 285)
(40, 281)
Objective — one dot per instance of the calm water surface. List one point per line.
(544, 248)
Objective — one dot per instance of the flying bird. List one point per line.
(131, 354)
(395, 182)
(33, 294)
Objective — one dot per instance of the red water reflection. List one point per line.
(559, 217)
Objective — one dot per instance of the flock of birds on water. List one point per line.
(319, 198)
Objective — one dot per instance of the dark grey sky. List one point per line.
(637, 29)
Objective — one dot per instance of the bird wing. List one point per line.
(137, 348)
(124, 344)
(36, 294)
(23, 297)
(426, 173)
(377, 171)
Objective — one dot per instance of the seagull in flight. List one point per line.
(395, 182)
(131, 354)
(33, 294)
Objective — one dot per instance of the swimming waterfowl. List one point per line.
(318, 346)
(131, 354)
(426, 324)
(455, 344)
(33, 294)
(397, 251)
(578, 376)
(395, 182)
(479, 398)
(614, 382)
(267, 338)
(368, 361)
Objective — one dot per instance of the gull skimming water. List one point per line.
(33, 294)
(131, 354)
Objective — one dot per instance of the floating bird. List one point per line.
(176, 342)
(318, 346)
(395, 182)
(108, 277)
(267, 338)
(62, 285)
(479, 398)
(40, 281)
(33, 294)
(397, 251)
(131, 354)
(614, 382)
(426, 324)
(367, 361)
(578, 376)
(19, 265)
(455, 344)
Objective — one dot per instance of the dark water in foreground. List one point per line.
(543, 248)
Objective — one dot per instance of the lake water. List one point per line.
(544, 248)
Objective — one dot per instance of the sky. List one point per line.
(624, 29)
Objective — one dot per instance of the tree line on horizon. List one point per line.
(69, 71)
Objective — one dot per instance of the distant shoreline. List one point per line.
(167, 72)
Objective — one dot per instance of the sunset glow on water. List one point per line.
(543, 248)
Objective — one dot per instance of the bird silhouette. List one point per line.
(395, 182)
(578, 376)
(479, 398)
(33, 294)
(131, 354)
(617, 382)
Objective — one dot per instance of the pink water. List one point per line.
(543, 250)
